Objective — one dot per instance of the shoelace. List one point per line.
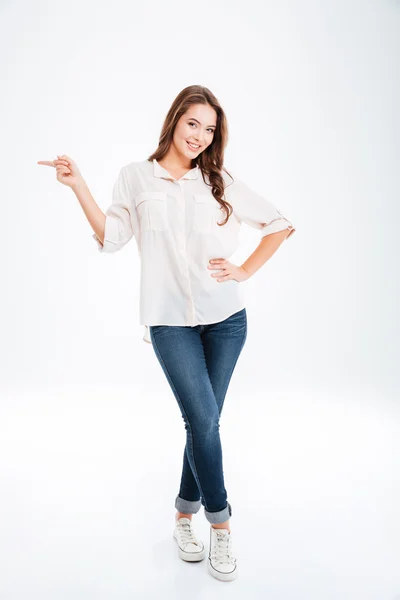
(222, 548)
(186, 533)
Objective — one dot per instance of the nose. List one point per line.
(198, 136)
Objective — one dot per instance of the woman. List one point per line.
(185, 212)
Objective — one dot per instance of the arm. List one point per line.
(94, 214)
(260, 213)
(268, 245)
(120, 222)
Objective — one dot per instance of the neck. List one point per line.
(175, 161)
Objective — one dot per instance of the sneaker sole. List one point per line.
(190, 556)
(221, 576)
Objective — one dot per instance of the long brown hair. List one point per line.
(210, 161)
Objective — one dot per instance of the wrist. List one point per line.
(79, 185)
(247, 273)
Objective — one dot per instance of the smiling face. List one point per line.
(196, 126)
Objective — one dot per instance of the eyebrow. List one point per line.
(193, 119)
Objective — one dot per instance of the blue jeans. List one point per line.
(198, 363)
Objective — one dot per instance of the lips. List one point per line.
(196, 147)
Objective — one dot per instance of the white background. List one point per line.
(91, 438)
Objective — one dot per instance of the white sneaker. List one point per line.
(221, 562)
(190, 548)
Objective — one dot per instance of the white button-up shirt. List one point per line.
(174, 222)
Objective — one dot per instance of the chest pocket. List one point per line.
(205, 213)
(152, 210)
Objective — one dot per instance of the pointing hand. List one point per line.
(67, 171)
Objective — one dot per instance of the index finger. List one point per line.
(48, 163)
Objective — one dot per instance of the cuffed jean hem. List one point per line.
(192, 507)
(187, 506)
(219, 517)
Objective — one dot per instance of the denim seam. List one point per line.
(233, 368)
(181, 405)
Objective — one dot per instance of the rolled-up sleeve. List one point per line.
(121, 217)
(255, 210)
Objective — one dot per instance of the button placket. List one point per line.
(183, 248)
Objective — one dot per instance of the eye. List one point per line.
(209, 129)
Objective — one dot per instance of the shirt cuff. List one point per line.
(111, 234)
(277, 225)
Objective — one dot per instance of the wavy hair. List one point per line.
(210, 161)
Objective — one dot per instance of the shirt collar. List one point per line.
(159, 171)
